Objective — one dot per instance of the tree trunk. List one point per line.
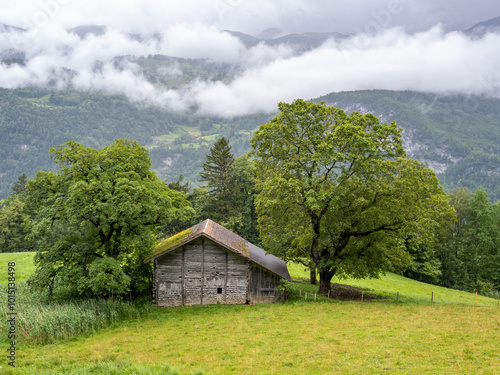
(313, 279)
(325, 277)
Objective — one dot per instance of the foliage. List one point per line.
(458, 131)
(19, 187)
(231, 200)
(94, 220)
(425, 265)
(336, 189)
(218, 175)
(469, 252)
(244, 222)
(12, 217)
(285, 287)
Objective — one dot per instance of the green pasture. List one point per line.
(410, 291)
(24, 267)
(453, 336)
(193, 130)
(292, 338)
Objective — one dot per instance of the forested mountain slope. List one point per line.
(33, 120)
(457, 136)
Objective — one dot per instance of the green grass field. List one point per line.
(25, 265)
(410, 291)
(296, 337)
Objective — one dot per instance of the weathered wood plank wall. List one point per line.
(202, 272)
(262, 285)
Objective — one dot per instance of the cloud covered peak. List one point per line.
(234, 72)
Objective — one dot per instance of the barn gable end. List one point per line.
(213, 265)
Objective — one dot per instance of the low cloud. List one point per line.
(434, 61)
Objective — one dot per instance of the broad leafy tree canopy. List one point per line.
(337, 189)
(94, 220)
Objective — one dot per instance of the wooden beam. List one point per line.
(202, 268)
(225, 277)
(183, 284)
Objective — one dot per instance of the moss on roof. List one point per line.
(242, 246)
(171, 242)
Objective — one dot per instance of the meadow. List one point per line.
(453, 336)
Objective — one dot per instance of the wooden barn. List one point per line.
(207, 264)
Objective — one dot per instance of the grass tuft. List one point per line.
(102, 368)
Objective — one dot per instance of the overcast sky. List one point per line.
(400, 44)
(250, 16)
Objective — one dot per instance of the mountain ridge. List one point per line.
(460, 143)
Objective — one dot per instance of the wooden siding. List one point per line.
(262, 286)
(201, 272)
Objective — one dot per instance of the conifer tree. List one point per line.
(218, 174)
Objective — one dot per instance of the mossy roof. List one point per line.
(225, 238)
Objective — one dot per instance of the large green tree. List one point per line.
(12, 217)
(94, 220)
(337, 190)
(469, 252)
(218, 176)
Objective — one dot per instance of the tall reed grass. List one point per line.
(41, 321)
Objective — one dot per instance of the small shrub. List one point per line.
(485, 288)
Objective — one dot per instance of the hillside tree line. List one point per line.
(332, 191)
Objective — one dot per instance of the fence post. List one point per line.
(314, 297)
(362, 295)
(397, 297)
(329, 294)
(300, 293)
(305, 297)
(432, 298)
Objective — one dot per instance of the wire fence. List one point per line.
(449, 297)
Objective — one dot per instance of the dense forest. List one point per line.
(34, 120)
(457, 136)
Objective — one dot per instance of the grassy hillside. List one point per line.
(25, 265)
(296, 337)
(410, 291)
